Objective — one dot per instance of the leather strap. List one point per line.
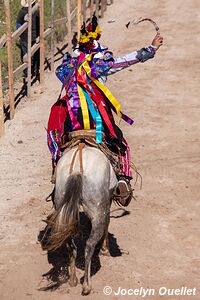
(79, 149)
(72, 162)
(81, 146)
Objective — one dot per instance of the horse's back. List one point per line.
(95, 163)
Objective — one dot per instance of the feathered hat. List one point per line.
(89, 34)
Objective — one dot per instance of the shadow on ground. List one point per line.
(59, 259)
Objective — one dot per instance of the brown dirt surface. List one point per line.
(160, 235)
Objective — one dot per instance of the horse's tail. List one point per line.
(64, 221)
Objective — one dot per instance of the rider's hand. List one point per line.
(157, 41)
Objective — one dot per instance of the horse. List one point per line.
(87, 182)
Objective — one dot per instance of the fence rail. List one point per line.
(83, 10)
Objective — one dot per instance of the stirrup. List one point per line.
(123, 193)
(124, 188)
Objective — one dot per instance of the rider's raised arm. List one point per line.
(132, 58)
(135, 57)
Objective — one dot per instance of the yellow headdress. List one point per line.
(91, 32)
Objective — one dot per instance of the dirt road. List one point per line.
(160, 235)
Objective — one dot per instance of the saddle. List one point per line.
(89, 138)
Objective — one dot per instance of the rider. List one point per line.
(88, 104)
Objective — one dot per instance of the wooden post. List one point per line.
(52, 35)
(69, 26)
(97, 9)
(84, 10)
(103, 4)
(106, 4)
(10, 60)
(91, 8)
(2, 128)
(78, 19)
(41, 41)
(29, 48)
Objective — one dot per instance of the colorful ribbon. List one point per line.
(116, 105)
(97, 118)
(86, 93)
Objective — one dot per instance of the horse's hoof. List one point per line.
(73, 281)
(86, 290)
(105, 252)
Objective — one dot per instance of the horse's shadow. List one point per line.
(59, 259)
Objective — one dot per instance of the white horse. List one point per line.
(86, 180)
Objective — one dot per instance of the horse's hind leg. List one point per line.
(105, 245)
(72, 263)
(98, 228)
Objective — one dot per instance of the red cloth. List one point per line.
(58, 115)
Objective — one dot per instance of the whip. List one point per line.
(137, 21)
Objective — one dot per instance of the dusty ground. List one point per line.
(161, 233)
